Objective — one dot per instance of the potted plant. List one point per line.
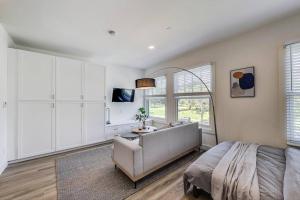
(142, 116)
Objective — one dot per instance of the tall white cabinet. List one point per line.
(3, 99)
(57, 103)
(94, 110)
(35, 103)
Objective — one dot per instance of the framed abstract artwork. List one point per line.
(242, 82)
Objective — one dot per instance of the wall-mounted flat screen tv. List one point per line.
(123, 95)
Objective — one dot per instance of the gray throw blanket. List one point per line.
(235, 177)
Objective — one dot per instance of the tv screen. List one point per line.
(122, 95)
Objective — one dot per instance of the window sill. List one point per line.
(293, 144)
(158, 120)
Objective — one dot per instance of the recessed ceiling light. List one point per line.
(111, 32)
(151, 47)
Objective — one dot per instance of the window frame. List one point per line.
(210, 121)
(288, 94)
(197, 95)
(148, 97)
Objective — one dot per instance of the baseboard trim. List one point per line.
(2, 168)
(59, 152)
(205, 147)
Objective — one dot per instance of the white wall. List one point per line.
(4, 42)
(248, 119)
(122, 77)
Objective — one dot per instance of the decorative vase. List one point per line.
(144, 124)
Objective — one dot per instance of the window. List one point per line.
(292, 93)
(156, 99)
(196, 109)
(192, 99)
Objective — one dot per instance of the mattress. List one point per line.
(199, 172)
(270, 170)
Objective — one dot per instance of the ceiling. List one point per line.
(79, 27)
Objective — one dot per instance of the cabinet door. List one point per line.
(68, 125)
(94, 122)
(68, 79)
(35, 76)
(12, 106)
(94, 82)
(35, 134)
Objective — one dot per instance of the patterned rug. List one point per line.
(90, 175)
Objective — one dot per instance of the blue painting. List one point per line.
(242, 82)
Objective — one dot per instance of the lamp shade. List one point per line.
(145, 83)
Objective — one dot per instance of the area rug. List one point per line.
(90, 175)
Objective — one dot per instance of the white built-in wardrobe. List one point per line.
(54, 104)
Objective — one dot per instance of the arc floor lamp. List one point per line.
(147, 83)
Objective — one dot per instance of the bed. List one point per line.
(277, 171)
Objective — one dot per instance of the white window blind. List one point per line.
(185, 82)
(292, 93)
(160, 88)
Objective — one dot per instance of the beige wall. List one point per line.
(247, 119)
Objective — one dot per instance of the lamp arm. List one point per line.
(209, 92)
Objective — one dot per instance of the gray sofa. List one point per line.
(140, 157)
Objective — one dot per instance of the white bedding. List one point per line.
(278, 171)
(235, 176)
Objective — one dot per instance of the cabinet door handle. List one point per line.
(4, 104)
(52, 105)
(53, 96)
(81, 97)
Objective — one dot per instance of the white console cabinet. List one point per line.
(121, 128)
(54, 103)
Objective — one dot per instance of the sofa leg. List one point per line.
(196, 192)
(115, 166)
(134, 184)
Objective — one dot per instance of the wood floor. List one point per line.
(36, 179)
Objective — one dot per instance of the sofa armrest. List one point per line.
(128, 155)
